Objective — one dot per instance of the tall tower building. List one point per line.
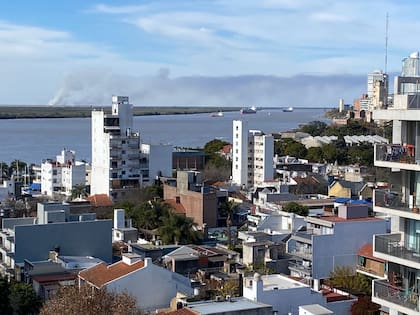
(252, 157)
(410, 65)
(399, 292)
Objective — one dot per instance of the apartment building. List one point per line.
(120, 161)
(399, 293)
(59, 176)
(252, 156)
(330, 241)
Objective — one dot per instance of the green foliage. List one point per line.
(292, 148)
(178, 229)
(346, 278)
(23, 299)
(214, 146)
(294, 207)
(314, 128)
(315, 154)
(227, 209)
(79, 190)
(330, 153)
(362, 154)
(4, 297)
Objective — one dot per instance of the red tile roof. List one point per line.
(102, 274)
(181, 311)
(100, 200)
(367, 251)
(338, 219)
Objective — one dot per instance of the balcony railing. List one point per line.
(392, 245)
(302, 253)
(395, 153)
(396, 295)
(392, 200)
(300, 267)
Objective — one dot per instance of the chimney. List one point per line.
(130, 258)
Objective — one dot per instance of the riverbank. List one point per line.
(25, 112)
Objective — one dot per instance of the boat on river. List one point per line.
(218, 114)
(288, 109)
(250, 110)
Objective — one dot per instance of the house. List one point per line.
(221, 306)
(286, 294)
(151, 285)
(345, 189)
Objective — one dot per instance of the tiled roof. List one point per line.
(181, 311)
(177, 207)
(367, 251)
(100, 200)
(102, 274)
(338, 219)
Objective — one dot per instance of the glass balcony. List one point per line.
(405, 298)
(300, 267)
(392, 200)
(392, 245)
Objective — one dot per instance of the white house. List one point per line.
(151, 285)
(286, 294)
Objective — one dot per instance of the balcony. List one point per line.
(393, 203)
(304, 237)
(396, 156)
(390, 247)
(300, 268)
(404, 300)
(301, 251)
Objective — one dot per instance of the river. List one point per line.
(32, 140)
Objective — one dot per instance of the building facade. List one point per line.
(59, 176)
(401, 248)
(252, 156)
(120, 162)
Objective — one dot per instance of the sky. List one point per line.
(199, 52)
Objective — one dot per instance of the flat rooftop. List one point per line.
(278, 282)
(235, 304)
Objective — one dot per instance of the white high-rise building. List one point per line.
(410, 65)
(118, 162)
(59, 176)
(252, 156)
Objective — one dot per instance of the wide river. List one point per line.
(32, 140)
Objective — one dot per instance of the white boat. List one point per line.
(218, 114)
(288, 109)
(250, 110)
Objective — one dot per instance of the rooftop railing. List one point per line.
(395, 153)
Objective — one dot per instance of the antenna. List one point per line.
(386, 43)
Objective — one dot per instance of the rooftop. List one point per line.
(367, 251)
(235, 304)
(101, 274)
(279, 282)
(100, 200)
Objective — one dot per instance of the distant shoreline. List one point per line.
(38, 112)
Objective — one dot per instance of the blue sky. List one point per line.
(174, 52)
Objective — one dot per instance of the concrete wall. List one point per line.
(90, 238)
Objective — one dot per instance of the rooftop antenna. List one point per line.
(386, 43)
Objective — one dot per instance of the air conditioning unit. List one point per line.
(219, 298)
(228, 298)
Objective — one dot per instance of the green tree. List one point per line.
(314, 154)
(346, 278)
(228, 209)
(314, 128)
(23, 299)
(330, 153)
(294, 207)
(4, 297)
(178, 229)
(292, 148)
(71, 300)
(214, 146)
(79, 190)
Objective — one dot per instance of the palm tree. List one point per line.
(78, 190)
(177, 229)
(228, 209)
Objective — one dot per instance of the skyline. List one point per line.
(221, 52)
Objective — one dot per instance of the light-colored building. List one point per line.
(153, 287)
(330, 241)
(401, 201)
(120, 162)
(59, 176)
(286, 295)
(56, 229)
(252, 156)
